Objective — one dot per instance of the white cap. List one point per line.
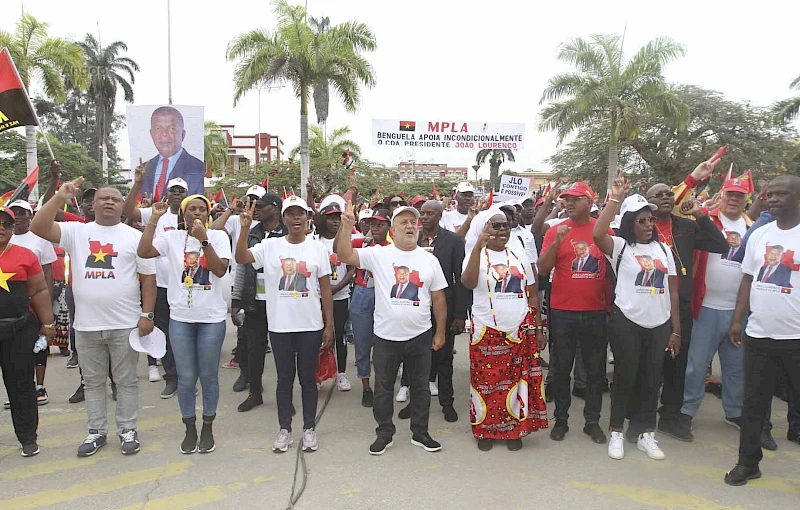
(332, 199)
(594, 208)
(178, 182)
(292, 201)
(154, 344)
(22, 204)
(400, 210)
(364, 214)
(464, 187)
(257, 190)
(635, 203)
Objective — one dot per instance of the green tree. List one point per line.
(215, 150)
(788, 109)
(45, 60)
(496, 157)
(326, 157)
(108, 73)
(294, 53)
(607, 89)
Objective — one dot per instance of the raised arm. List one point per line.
(538, 225)
(146, 250)
(601, 238)
(469, 277)
(43, 223)
(241, 254)
(218, 266)
(344, 246)
(129, 208)
(52, 186)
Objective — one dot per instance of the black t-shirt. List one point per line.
(17, 264)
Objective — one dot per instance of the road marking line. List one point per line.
(653, 497)
(181, 501)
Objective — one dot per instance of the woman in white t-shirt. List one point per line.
(299, 311)
(506, 402)
(645, 317)
(198, 260)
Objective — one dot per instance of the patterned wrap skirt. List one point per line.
(506, 393)
(61, 313)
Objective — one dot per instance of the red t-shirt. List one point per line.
(362, 275)
(17, 264)
(579, 276)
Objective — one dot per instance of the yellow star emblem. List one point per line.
(4, 277)
(407, 125)
(100, 256)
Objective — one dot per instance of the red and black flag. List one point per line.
(23, 191)
(221, 199)
(15, 106)
(408, 125)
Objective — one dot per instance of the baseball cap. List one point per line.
(417, 199)
(579, 189)
(8, 211)
(594, 208)
(736, 184)
(257, 191)
(464, 187)
(88, 192)
(365, 214)
(269, 199)
(177, 182)
(292, 201)
(635, 203)
(331, 204)
(403, 209)
(532, 199)
(22, 204)
(382, 214)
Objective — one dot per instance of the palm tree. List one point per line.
(321, 90)
(496, 158)
(215, 150)
(329, 149)
(606, 89)
(788, 109)
(48, 60)
(108, 72)
(294, 53)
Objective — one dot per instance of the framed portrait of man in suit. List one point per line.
(168, 139)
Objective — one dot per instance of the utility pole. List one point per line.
(169, 53)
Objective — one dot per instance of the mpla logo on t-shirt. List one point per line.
(101, 257)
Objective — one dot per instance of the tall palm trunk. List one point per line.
(494, 169)
(304, 152)
(30, 148)
(613, 164)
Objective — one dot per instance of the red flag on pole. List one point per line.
(221, 199)
(730, 173)
(23, 191)
(547, 189)
(435, 192)
(490, 200)
(747, 177)
(265, 184)
(284, 193)
(15, 105)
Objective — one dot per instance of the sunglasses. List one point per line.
(497, 225)
(8, 225)
(397, 202)
(662, 194)
(645, 220)
(176, 189)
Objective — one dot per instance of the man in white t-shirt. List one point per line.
(115, 293)
(175, 193)
(402, 326)
(47, 255)
(458, 220)
(772, 337)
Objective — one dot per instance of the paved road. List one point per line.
(244, 473)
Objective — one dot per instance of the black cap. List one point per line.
(270, 199)
(88, 192)
(382, 214)
(332, 208)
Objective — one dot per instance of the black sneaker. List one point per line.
(170, 389)
(78, 396)
(206, 444)
(41, 397)
(380, 446)
(367, 398)
(450, 414)
(73, 360)
(129, 441)
(792, 436)
(740, 474)
(64, 351)
(250, 402)
(679, 428)
(241, 382)
(93, 442)
(631, 436)
(579, 392)
(485, 444)
(736, 422)
(514, 445)
(767, 441)
(405, 413)
(594, 431)
(424, 441)
(30, 449)
(559, 430)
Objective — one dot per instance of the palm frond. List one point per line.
(787, 110)
(583, 55)
(795, 83)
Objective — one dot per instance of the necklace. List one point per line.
(188, 281)
(493, 272)
(670, 242)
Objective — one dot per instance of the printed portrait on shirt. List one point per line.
(406, 285)
(653, 273)
(195, 268)
(334, 259)
(295, 276)
(508, 280)
(735, 251)
(584, 261)
(778, 266)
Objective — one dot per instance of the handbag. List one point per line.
(326, 365)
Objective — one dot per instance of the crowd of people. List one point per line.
(663, 277)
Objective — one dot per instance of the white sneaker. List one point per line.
(342, 382)
(616, 446)
(310, 440)
(283, 442)
(648, 444)
(402, 395)
(434, 389)
(152, 374)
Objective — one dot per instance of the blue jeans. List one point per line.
(362, 316)
(197, 347)
(709, 336)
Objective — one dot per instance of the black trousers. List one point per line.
(675, 369)
(638, 362)
(252, 359)
(296, 353)
(415, 355)
(442, 361)
(341, 310)
(763, 358)
(161, 321)
(242, 348)
(568, 329)
(17, 362)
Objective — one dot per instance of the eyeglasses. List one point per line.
(644, 220)
(662, 194)
(497, 225)
(396, 202)
(8, 225)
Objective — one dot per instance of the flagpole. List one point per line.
(169, 53)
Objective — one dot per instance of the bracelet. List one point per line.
(150, 223)
(613, 200)
(49, 326)
(675, 334)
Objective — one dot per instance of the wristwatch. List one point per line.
(147, 315)
(204, 243)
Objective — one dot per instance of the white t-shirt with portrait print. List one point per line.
(505, 283)
(194, 293)
(772, 258)
(724, 271)
(167, 222)
(402, 308)
(42, 248)
(452, 220)
(105, 274)
(291, 277)
(642, 292)
(338, 269)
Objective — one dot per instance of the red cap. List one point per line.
(9, 212)
(579, 189)
(736, 184)
(417, 199)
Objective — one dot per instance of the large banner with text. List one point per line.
(448, 134)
